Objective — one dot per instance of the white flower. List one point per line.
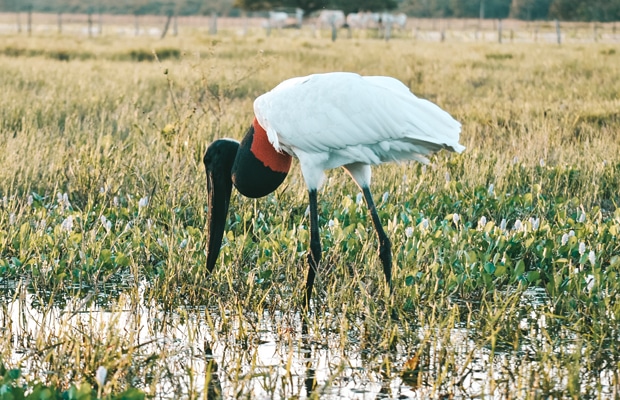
(67, 224)
(107, 224)
(5, 201)
(183, 244)
(589, 282)
(535, 222)
(143, 202)
(102, 190)
(482, 222)
(541, 162)
(385, 196)
(592, 257)
(582, 218)
(425, 223)
(518, 225)
(502, 225)
(564, 239)
(515, 160)
(359, 198)
(149, 224)
(582, 248)
(456, 218)
(408, 231)
(447, 176)
(12, 219)
(100, 375)
(65, 200)
(491, 189)
(571, 233)
(30, 200)
(42, 224)
(331, 223)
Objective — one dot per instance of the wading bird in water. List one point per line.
(330, 120)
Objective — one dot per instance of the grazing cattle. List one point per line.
(393, 20)
(331, 18)
(361, 20)
(281, 19)
(277, 19)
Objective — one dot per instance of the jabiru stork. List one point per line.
(329, 120)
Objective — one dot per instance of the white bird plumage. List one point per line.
(331, 120)
(341, 118)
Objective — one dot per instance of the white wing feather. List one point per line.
(342, 118)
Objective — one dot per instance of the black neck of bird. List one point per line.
(218, 161)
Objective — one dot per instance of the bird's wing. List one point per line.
(335, 111)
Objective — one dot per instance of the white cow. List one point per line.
(392, 20)
(361, 20)
(277, 19)
(400, 20)
(331, 18)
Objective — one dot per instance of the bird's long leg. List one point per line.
(314, 256)
(385, 246)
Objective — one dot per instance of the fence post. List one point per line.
(557, 30)
(499, 30)
(213, 24)
(594, 30)
(30, 21)
(388, 30)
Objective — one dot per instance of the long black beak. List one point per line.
(218, 161)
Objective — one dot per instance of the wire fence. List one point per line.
(431, 30)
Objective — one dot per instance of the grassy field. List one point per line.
(506, 257)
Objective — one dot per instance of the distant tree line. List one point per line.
(566, 10)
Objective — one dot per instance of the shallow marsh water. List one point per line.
(204, 352)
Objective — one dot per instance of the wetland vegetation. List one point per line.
(506, 258)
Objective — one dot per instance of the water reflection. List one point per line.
(198, 352)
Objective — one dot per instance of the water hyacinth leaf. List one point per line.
(105, 256)
(533, 276)
(13, 374)
(519, 268)
(132, 394)
(489, 268)
(85, 391)
(121, 259)
(500, 270)
(75, 238)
